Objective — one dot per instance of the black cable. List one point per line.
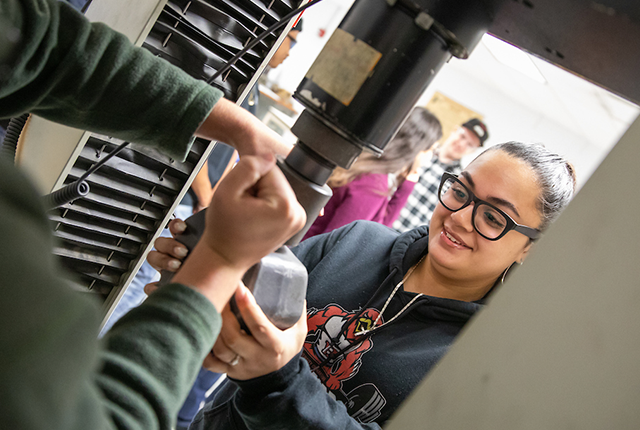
(262, 36)
(103, 161)
(86, 6)
(65, 195)
(10, 144)
(79, 187)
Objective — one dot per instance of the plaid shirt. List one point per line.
(424, 198)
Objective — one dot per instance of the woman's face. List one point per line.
(509, 184)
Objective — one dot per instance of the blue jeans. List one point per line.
(196, 398)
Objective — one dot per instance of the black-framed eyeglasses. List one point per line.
(489, 221)
(292, 41)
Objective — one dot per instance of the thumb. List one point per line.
(248, 172)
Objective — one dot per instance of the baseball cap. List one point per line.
(478, 128)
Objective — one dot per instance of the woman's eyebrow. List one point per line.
(493, 200)
(467, 176)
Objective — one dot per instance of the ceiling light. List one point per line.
(513, 57)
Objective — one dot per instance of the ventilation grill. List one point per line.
(202, 36)
(102, 236)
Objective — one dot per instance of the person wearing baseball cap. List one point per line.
(469, 136)
(478, 128)
(445, 158)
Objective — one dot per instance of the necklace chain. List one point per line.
(397, 287)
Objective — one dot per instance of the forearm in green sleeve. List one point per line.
(56, 64)
(52, 373)
(153, 354)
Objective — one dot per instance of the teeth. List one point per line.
(451, 238)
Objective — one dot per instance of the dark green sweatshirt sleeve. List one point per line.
(56, 64)
(53, 373)
(153, 354)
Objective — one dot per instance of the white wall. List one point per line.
(507, 120)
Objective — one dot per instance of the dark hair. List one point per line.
(555, 175)
(418, 133)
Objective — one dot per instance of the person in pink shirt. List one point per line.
(376, 189)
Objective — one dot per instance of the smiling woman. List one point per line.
(383, 307)
(486, 219)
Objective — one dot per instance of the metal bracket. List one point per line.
(424, 20)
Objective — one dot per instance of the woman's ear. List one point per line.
(524, 253)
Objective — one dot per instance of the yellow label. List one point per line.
(343, 66)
